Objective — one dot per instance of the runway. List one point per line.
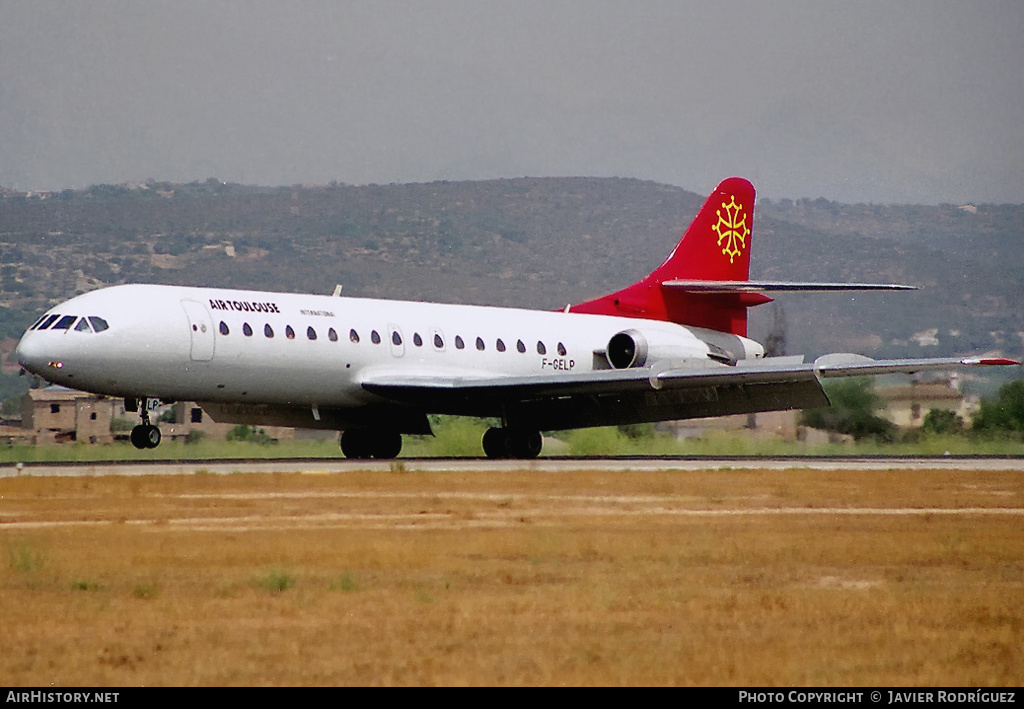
(628, 464)
(649, 570)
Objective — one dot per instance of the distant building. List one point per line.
(907, 405)
(58, 415)
(178, 420)
(12, 433)
(767, 424)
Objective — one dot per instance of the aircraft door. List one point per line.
(395, 337)
(201, 325)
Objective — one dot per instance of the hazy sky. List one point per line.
(887, 101)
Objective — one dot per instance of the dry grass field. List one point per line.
(728, 577)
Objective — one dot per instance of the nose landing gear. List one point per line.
(145, 435)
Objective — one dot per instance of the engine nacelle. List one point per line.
(632, 348)
(627, 349)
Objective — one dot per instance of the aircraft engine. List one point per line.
(627, 349)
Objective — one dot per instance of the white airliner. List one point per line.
(671, 346)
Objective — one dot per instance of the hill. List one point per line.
(533, 242)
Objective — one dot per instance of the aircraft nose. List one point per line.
(31, 354)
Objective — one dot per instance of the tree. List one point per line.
(942, 421)
(852, 412)
(250, 434)
(1005, 413)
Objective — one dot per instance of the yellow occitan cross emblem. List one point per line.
(732, 229)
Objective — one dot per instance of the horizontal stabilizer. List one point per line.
(701, 286)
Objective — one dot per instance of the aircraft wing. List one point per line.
(664, 391)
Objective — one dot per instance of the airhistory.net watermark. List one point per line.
(51, 697)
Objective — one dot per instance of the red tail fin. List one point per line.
(716, 247)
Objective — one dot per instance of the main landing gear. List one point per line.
(512, 443)
(362, 443)
(145, 435)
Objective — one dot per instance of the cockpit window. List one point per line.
(48, 322)
(68, 322)
(36, 323)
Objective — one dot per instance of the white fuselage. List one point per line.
(217, 345)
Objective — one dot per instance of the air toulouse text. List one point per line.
(244, 306)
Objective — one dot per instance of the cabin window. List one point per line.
(65, 322)
(353, 336)
(417, 340)
(561, 349)
(311, 333)
(98, 324)
(459, 344)
(480, 344)
(438, 342)
(375, 337)
(332, 335)
(541, 349)
(224, 328)
(246, 330)
(396, 339)
(268, 331)
(288, 332)
(520, 347)
(499, 345)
